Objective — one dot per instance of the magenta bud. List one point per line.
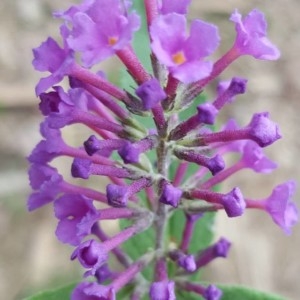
(237, 86)
(170, 195)
(212, 293)
(151, 93)
(207, 113)
(117, 195)
(92, 145)
(234, 203)
(129, 153)
(216, 164)
(221, 248)
(162, 290)
(187, 262)
(263, 130)
(81, 168)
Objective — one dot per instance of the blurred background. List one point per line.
(262, 256)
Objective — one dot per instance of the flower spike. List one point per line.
(159, 148)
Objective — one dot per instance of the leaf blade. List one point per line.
(63, 292)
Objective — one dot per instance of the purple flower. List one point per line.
(162, 290)
(46, 150)
(254, 158)
(47, 181)
(171, 6)
(69, 13)
(76, 216)
(76, 106)
(92, 255)
(281, 208)
(251, 36)
(93, 291)
(58, 106)
(181, 54)
(54, 59)
(95, 37)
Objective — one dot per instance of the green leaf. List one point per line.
(141, 42)
(64, 293)
(61, 293)
(240, 292)
(232, 293)
(202, 235)
(182, 295)
(125, 292)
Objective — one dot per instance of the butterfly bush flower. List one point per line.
(184, 55)
(94, 37)
(148, 166)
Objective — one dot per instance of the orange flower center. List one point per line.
(112, 40)
(179, 58)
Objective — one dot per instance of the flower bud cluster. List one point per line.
(119, 148)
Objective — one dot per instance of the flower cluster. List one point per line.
(121, 144)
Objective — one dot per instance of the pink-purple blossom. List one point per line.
(94, 37)
(252, 37)
(170, 6)
(91, 254)
(54, 59)
(91, 291)
(184, 55)
(281, 208)
(76, 215)
(162, 290)
(45, 180)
